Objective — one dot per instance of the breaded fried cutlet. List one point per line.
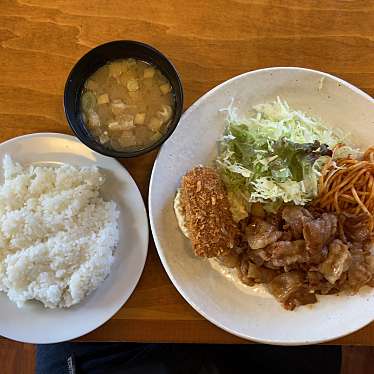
(211, 227)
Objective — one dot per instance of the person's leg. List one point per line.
(132, 358)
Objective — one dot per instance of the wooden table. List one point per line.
(209, 42)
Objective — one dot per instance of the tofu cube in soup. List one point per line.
(165, 88)
(149, 72)
(127, 103)
(103, 99)
(132, 85)
(139, 119)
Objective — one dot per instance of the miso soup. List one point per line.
(127, 103)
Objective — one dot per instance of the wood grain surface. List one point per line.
(209, 42)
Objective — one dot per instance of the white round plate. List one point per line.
(254, 315)
(35, 324)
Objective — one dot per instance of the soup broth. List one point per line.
(127, 103)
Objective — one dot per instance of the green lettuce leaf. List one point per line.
(274, 155)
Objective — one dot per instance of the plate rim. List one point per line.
(146, 237)
(158, 244)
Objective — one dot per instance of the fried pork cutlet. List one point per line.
(211, 227)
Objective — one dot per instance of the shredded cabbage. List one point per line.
(274, 155)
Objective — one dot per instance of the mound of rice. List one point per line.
(57, 235)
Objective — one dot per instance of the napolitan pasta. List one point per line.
(347, 185)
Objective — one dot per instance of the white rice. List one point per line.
(57, 235)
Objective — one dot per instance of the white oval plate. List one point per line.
(35, 324)
(253, 315)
